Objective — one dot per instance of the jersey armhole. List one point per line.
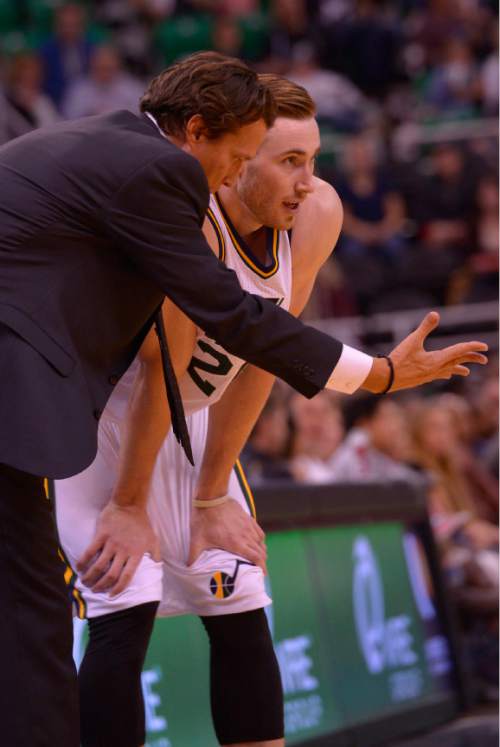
(215, 229)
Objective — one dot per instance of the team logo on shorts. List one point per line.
(222, 584)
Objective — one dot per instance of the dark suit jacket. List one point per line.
(99, 219)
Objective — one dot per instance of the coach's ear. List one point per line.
(196, 130)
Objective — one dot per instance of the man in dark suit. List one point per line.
(100, 218)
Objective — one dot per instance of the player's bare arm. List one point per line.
(248, 393)
(123, 532)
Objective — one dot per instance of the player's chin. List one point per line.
(290, 213)
(288, 221)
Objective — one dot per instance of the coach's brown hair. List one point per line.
(290, 99)
(224, 91)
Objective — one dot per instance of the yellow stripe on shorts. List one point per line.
(245, 487)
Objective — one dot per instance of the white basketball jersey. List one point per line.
(212, 368)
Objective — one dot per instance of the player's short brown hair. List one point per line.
(224, 91)
(290, 99)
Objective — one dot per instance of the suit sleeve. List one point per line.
(155, 218)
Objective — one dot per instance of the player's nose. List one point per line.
(304, 187)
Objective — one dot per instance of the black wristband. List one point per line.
(391, 373)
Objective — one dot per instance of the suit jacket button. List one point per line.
(113, 379)
(97, 414)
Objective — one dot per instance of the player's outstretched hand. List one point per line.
(123, 535)
(230, 528)
(413, 365)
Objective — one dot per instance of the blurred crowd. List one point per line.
(421, 213)
(443, 439)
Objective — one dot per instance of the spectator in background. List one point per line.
(444, 213)
(377, 446)
(239, 8)
(338, 102)
(363, 44)
(431, 25)
(480, 274)
(132, 24)
(488, 78)
(23, 106)
(451, 86)
(289, 25)
(264, 456)
(374, 214)
(227, 36)
(453, 506)
(66, 55)
(480, 482)
(468, 544)
(105, 88)
(486, 423)
(317, 429)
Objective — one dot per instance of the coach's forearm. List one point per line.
(231, 421)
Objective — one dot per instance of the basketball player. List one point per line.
(247, 227)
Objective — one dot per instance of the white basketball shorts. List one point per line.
(217, 582)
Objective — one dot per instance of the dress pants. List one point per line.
(38, 684)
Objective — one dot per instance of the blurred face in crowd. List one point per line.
(25, 74)
(359, 156)
(461, 414)
(388, 430)
(104, 65)
(271, 432)
(318, 424)
(486, 406)
(434, 432)
(70, 23)
(222, 158)
(227, 36)
(448, 162)
(487, 195)
(458, 52)
(275, 183)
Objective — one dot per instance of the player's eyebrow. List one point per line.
(298, 152)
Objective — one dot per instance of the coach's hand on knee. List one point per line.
(227, 527)
(123, 536)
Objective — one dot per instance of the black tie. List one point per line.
(179, 425)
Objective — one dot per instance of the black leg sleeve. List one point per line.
(111, 701)
(246, 692)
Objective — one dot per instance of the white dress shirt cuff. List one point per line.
(351, 370)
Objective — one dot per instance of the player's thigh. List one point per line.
(80, 498)
(79, 501)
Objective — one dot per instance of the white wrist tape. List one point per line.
(211, 503)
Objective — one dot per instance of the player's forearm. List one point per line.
(145, 429)
(230, 423)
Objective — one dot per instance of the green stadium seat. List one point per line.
(41, 14)
(9, 17)
(14, 42)
(183, 35)
(255, 30)
(98, 34)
